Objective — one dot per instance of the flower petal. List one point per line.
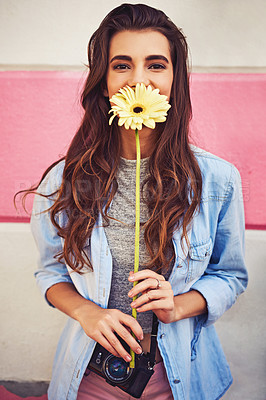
(111, 119)
(150, 123)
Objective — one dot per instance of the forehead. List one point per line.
(139, 42)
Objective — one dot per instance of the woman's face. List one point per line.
(139, 56)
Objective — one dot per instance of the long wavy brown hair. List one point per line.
(173, 186)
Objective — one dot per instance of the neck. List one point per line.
(147, 139)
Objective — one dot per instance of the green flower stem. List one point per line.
(137, 229)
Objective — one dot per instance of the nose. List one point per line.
(138, 75)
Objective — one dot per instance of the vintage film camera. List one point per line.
(116, 370)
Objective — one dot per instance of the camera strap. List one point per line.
(153, 340)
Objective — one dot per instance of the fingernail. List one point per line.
(141, 337)
(128, 358)
(130, 294)
(139, 350)
(132, 277)
(133, 304)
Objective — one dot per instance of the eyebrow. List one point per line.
(148, 58)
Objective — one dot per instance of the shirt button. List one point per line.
(176, 380)
(162, 335)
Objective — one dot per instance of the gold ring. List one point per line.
(158, 284)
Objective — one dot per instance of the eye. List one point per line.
(157, 66)
(121, 66)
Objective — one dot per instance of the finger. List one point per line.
(144, 274)
(105, 343)
(155, 305)
(151, 295)
(118, 322)
(115, 320)
(118, 346)
(147, 284)
(158, 284)
(134, 326)
(130, 340)
(147, 297)
(115, 343)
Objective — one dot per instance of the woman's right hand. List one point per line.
(98, 323)
(101, 325)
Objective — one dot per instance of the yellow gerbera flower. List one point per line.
(140, 106)
(134, 108)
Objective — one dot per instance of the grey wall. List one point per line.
(242, 328)
(227, 33)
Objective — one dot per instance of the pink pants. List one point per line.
(94, 387)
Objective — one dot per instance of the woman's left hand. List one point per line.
(156, 295)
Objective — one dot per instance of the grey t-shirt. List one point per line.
(121, 238)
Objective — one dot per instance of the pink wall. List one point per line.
(39, 113)
(229, 121)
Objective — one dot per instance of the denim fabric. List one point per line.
(213, 265)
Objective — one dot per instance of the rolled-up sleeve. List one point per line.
(226, 276)
(49, 244)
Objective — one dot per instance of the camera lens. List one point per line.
(116, 369)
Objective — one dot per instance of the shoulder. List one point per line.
(218, 175)
(53, 179)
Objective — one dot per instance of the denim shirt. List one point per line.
(213, 265)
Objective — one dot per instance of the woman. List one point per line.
(191, 246)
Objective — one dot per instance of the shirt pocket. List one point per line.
(197, 259)
(199, 256)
